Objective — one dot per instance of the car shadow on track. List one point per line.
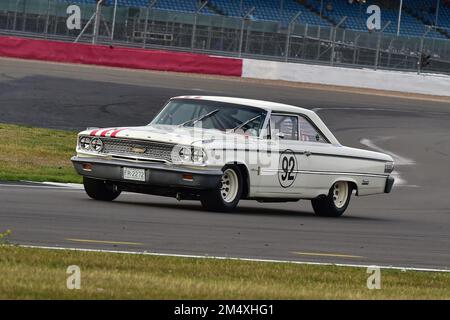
(295, 213)
(243, 210)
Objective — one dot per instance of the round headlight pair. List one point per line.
(93, 144)
(187, 154)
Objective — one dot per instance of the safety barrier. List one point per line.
(406, 82)
(58, 51)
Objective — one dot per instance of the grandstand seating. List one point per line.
(426, 11)
(416, 15)
(356, 17)
(174, 5)
(269, 10)
(423, 10)
(444, 17)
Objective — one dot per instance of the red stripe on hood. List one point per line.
(94, 132)
(104, 132)
(115, 132)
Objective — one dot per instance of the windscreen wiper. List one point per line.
(246, 122)
(194, 121)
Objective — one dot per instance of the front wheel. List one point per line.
(335, 203)
(100, 190)
(225, 197)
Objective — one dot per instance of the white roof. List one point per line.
(268, 105)
(274, 106)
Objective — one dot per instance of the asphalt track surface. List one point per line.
(409, 227)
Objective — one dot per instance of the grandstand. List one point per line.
(269, 10)
(425, 11)
(172, 5)
(335, 10)
(416, 15)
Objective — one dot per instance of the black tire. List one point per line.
(213, 200)
(100, 190)
(325, 206)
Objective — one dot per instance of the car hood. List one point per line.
(162, 133)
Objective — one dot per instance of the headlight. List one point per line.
(185, 154)
(198, 156)
(85, 143)
(188, 155)
(388, 167)
(96, 145)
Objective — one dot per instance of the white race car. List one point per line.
(219, 150)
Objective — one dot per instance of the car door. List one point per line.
(315, 167)
(281, 179)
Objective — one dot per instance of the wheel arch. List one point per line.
(352, 182)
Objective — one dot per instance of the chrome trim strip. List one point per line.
(334, 173)
(346, 156)
(302, 153)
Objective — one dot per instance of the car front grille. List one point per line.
(138, 149)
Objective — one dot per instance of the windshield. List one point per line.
(212, 115)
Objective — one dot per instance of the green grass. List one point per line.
(36, 154)
(41, 274)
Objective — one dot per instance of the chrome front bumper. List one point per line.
(156, 174)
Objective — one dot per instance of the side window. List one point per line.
(309, 133)
(285, 126)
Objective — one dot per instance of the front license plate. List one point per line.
(134, 174)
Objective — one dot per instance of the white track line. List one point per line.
(64, 185)
(398, 160)
(37, 186)
(238, 259)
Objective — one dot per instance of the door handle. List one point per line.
(307, 153)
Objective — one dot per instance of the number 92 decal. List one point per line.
(287, 171)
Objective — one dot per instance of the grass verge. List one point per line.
(41, 274)
(36, 154)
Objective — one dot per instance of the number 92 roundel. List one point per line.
(287, 171)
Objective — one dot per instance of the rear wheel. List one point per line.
(225, 197)
(100, 190)
(335, 203)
